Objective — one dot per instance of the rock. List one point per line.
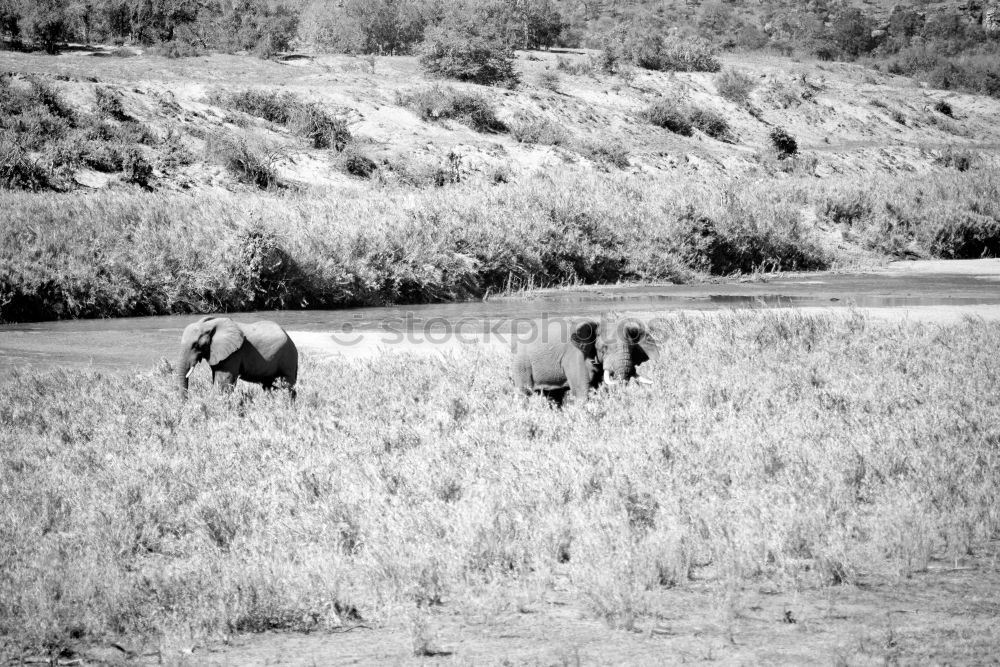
(879, 34)
(991, 18)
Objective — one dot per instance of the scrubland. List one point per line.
(776, 451)
(119, 254)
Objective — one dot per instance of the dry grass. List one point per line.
(777, 449)
(116, 253)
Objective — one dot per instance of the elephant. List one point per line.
(578, 356)
(259, 352)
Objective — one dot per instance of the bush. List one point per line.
(611, 152)
(710, 122)
(17, 170)
(356, 163)
(309, 120)
(549, 81)
(102, 156)
(941, 106)
(574, 67)
(135, 168)
(960, 159)
(306, 119)
(109, 103)
(735, 85)
(440, 102)
(670, 116)
(250, 163)
(529, 129)
(783, 142)
(454, 54)
(270, 105)
(673, 54)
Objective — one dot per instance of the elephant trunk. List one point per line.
(184, 369)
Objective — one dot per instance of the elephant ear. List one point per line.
(226, 339)
(643, 345)
(584, 336)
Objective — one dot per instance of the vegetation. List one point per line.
(105, 255)
(683, 119)
(530, 129)
(440, 102)
(306, 119)
(468, 47)
(783, 142)
(950, 46)
(765, 455)
(735, 85)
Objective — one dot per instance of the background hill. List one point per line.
(184, 117)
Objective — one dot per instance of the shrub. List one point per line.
(176, 49)
(109, 103)
(441, 102)
(267, 104)
(673, 54)
(455, 54)
(574, 67)
(249, 162)
(735, 85)
(17, 170)
(306, 119)
(670, 116)
(549, 81)
(782, 94)
(610, 152)
(710, 122)
(744, 241)
(102, 156)
(135, 168)
(309, 120)
(960, 159)
(941, 106)
(783, 142)
(529, 129)
(356, 163)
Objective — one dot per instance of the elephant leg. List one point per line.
(224, 379)
(579, 374)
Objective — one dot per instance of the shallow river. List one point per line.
(938, 291)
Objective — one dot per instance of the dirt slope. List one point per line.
(846, 119)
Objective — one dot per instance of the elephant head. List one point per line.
(621, 345)
(581, 357)
(210, 338)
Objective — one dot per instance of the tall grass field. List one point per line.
(795, 450)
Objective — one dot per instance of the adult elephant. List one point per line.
(259, 352)
(577, 356)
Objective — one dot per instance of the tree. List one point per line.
(469, 47)
(48, 22)
(10, 19)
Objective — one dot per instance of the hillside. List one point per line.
(845, 118)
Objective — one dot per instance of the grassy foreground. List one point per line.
(800, 451)
(128, 253)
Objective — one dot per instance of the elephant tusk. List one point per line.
(190, 370)
(608, 380)
(642, 380)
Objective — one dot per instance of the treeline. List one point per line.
(954, 47)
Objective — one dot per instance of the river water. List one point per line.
(917, 290)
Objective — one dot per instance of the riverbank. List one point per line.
(115, 255)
